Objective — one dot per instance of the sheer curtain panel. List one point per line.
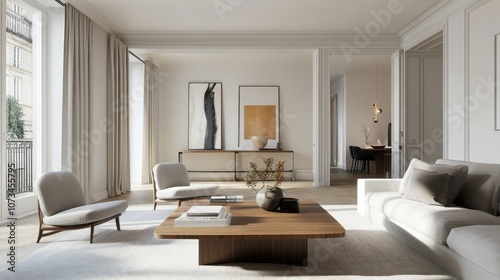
(150, 127)
(118, 117)
(76, 94)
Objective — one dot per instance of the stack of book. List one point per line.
(204, 216)
(226, 198)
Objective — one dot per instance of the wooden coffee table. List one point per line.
(257, 235)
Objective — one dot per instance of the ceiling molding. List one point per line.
(170, 40)
(438, 12)
(429, 8)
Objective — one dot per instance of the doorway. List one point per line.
(423, 102)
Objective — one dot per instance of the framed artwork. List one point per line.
(259, 111)
(204, 116)
(497, 81)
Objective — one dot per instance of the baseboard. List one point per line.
(100, 196)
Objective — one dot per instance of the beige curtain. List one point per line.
(76, 147)
(150, 126)
(118, 117)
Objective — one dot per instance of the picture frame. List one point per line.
(205, 116)
(497, 81)
(259, 115)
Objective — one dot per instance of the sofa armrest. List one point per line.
(374, 185)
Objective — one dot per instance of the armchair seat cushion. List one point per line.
(87, 213)
(187, 191)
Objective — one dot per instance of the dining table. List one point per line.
(382, 160)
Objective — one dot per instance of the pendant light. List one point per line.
(376, 109)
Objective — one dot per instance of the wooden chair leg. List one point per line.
(154, 205)
(91, 234)
(117, 220)
(40, 232)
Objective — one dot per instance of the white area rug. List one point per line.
(367, 252)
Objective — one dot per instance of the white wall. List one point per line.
(290, 70)
(454, 129)
(484, 24)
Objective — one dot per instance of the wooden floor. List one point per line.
(341, 191)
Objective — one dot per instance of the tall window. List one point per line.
(16, 57)
(17, 88)
(23, 92)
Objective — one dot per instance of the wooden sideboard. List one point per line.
(234, 162)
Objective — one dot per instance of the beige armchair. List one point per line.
(171, 183)
(61, 206)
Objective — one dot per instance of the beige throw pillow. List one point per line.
(428, 187)
(458, 174)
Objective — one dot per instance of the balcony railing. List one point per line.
(20, 159)
(19, 26)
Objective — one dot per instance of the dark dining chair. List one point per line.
(360, 156)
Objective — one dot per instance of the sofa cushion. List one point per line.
(432, 221)
(427, 187)
(481, 188)
(187, 191)
(458, 174)
(479, 244)
(87, 213)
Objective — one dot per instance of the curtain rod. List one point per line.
(140, 59)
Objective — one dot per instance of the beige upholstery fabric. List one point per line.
(172, 182)
(433, 221)
(427, 187)
(479, 244)
(87, 213)
(187, 191)
(169, 175)
(62, 202)
(458, 174)
(58, 191)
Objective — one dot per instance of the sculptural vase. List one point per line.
(258, 142)
(269, 199)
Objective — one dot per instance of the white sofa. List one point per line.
(464, 238)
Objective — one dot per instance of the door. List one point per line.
(397, 69)
(334, 136)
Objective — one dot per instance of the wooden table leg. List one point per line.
(284, 251)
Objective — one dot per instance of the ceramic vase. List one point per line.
(269, 199)
(259, 142)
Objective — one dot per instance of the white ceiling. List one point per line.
(342, 17)
(295, 16)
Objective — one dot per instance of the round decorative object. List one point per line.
(259, 142)
(269, 199)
